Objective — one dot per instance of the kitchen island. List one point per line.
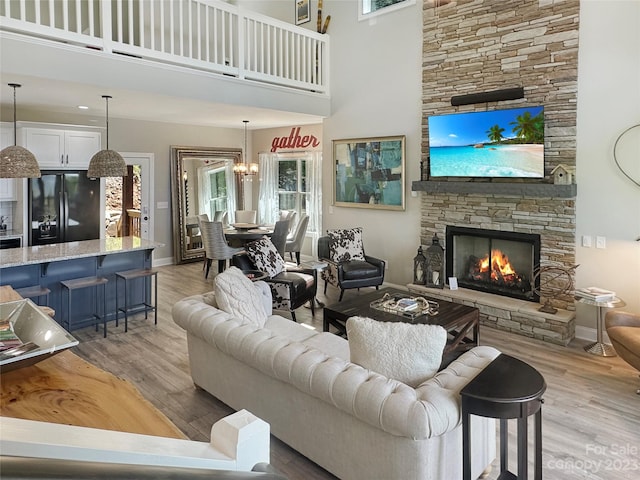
(48, 265)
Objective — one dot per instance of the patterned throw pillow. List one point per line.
(345, 244)
(264, 254)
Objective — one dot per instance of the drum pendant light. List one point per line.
(107, 163)
(16, 161)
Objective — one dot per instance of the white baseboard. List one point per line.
(590, 334)
(163, 262)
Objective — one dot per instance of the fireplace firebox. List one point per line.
(494, 261)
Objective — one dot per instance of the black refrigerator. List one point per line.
(64, 206)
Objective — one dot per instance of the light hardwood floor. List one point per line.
(591, 415)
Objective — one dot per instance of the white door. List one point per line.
(145, 160)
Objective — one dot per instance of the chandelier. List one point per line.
(244, 167)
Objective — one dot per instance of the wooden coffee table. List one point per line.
(458, 320)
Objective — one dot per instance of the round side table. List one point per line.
(599, 347)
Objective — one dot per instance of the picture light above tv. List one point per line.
(505, 143)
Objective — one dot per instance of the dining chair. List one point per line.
(294, 243)
(203, 217)
(279, 235)
(289, 215)
(221, 216)
(215, 246)
(246, 216)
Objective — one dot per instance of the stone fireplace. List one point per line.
(473, 47)
(494, 261)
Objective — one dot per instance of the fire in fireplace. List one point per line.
(493, 261)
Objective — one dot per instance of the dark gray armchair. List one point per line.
(352, 273)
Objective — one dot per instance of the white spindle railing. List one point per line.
(204, 34)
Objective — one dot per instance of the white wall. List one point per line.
(608, 204)
(376, 91)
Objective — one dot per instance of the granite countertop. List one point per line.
(12, 257)
(10, 234)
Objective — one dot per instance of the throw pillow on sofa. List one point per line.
(265, 256)
(237, 295)
(345, 244)
(409, 353)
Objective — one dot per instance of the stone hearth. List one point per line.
(510, 314)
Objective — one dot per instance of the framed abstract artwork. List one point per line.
(369, 173)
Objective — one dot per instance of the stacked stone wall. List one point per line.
(474, 46)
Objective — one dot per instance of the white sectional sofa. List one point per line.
(353, 422)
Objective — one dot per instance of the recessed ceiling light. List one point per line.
(83, 107)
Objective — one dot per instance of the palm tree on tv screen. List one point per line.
(529, 129)
(495, 133)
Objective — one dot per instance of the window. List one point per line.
(371, 8)
(218, 191)
(292, 185)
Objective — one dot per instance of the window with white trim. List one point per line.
(292, 185)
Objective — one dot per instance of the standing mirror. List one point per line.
(202, 181)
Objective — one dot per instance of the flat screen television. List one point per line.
(498, 143)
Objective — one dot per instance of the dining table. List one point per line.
(238, 235)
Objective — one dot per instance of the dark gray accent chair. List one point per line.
(350, 274)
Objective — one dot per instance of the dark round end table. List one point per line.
(506, 388)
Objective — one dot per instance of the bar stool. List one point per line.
(130, 275)
(35, 291)
(86, 282)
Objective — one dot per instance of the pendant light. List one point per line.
(15, 161)
(107, 163)
(245, 168)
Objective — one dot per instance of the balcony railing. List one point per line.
(202, 34)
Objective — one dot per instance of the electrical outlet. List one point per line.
(601, 242)
(586, 241)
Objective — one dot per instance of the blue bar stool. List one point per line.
(86, 282)
(149, 275)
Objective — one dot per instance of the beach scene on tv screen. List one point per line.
(497, 143)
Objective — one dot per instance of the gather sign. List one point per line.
(294, 140)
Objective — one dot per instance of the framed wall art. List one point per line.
(369, 172)
(302, 11)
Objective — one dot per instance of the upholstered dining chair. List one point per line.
(348, 265)
(623, 329)
(290, 216)
(290, 287)
(279, 235)
(221, 216)
(294, 242)
(246, 216)
(215, 245)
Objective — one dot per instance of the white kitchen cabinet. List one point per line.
(7, 189)
(65, 149)
(7, 185)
